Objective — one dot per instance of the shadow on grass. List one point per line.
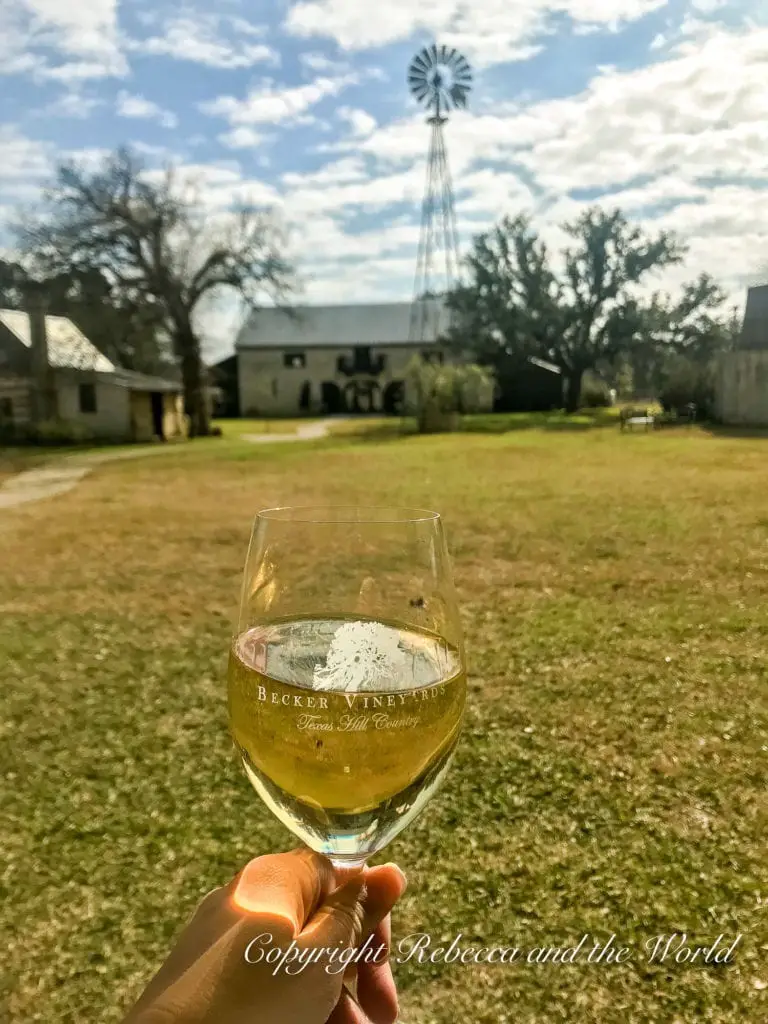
(720, 430)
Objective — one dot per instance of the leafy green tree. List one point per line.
(438, 394)
(579, 312)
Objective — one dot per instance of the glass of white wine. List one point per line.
(347, 679)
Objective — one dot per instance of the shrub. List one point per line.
(686, 383)
(437, 395)
(55, 432)
(595, 394)
(10, 432)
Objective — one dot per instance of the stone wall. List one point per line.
(270, 388)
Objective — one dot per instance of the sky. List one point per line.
(656, 106)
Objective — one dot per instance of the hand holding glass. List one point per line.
(347, 678)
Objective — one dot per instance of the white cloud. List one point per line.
(74, 105)
(340, 172)
(318, 62)
(242, 138)
(272, 105)
(144, 109)
(82, 36)
(219, 186)
(23, 158)
(209, 39)
(490, 32)
(360, 122)
(369, 194)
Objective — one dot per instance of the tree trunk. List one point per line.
(195, 398)
(573, 390)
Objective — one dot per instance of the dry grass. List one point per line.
(612, 777)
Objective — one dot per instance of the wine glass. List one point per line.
(347, 679)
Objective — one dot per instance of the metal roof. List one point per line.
(308, 326)
(68, 347)
(544, 365)
(135, 381)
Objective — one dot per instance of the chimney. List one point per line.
(38, 332)
(44, 387)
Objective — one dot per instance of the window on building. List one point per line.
(294, 360)
(362, 363)
(87, 398)
(432, 356)
(6, 408)
(274, 387)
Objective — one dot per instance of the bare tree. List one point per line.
(160, 249)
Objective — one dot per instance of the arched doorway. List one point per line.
(394, 398)
(332, 397)
(362, 396)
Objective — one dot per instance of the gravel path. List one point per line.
(309, 433)
(62, 474)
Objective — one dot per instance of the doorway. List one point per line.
(156, 398)
(333, 399)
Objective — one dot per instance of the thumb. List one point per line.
(338, 922)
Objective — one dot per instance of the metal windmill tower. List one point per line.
(440, 78)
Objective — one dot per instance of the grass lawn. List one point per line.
(612, 777)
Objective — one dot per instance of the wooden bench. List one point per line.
(629, 419)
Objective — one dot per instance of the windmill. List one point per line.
(440, 78)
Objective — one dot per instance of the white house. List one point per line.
(331, 359)
(50, 370)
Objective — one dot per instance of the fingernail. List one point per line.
(399, 870)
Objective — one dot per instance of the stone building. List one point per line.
(741, 387)
(49, 370)
(330, 359)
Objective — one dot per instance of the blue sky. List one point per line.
(654, 105)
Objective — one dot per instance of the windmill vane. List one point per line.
(440, 78)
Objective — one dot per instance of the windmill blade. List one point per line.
(459, 96)
(440, 77)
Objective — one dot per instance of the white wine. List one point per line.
(345, 727)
